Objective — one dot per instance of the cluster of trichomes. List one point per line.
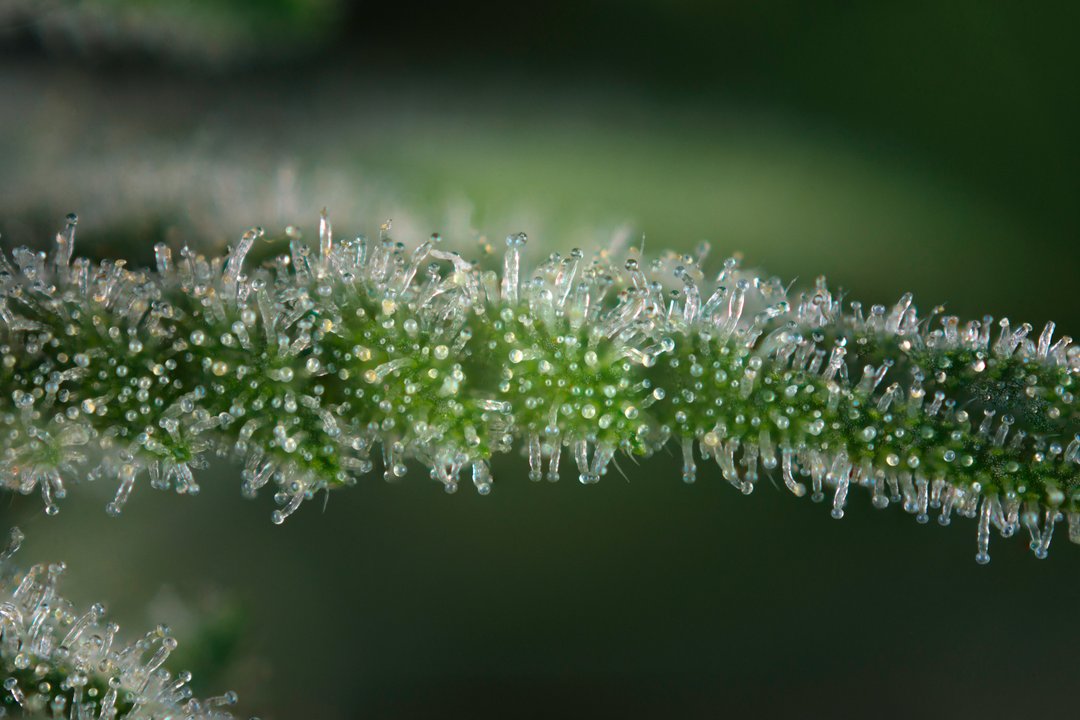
(58, 662)
(303, 366)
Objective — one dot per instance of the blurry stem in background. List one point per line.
(213, 34)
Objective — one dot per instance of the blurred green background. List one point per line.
(911, 146)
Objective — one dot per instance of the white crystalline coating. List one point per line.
(64, 662)
(326, 238)
(236, 258)
(305, 365)
(983, 534)
(534, 457)
(512, 268)
(553, 462)
(65, 246)
(689, 466)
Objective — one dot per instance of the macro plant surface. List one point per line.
(304, 366)
(59, 662)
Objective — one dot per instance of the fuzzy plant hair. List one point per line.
(57, 661)
(305, 365)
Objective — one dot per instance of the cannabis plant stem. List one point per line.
(302, 367)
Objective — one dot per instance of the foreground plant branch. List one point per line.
(57, 661)
(301, 368)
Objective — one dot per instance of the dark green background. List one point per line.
(922, 146)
